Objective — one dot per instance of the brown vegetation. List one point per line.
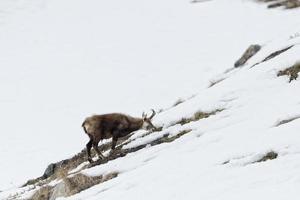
(268, 156)
(197, 116)
(292, 72)
(42, 194)
(287, 4)
(70, 186)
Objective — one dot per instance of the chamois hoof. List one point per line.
(101, 158)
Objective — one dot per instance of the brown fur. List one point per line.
(114, 125)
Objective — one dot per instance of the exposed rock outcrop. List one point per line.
(250, 51)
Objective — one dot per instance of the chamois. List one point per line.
(113, 125)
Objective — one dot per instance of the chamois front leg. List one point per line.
(88, 150)
(95, 146)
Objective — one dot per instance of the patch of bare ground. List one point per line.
(250, 52)
(70, 185)
(285, 121)
(215, 82)
(271, 155)
(268, 156)
(42, 194)
(273, 55)
(197, 116)
(167, 138)
(292, 72)
(287, 4)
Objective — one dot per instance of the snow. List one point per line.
(62, 61)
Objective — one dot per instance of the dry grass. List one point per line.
(42, 194)
(197, 116)
(292, 72)
(167, 139)
(80, 182)
(33, 181)
(269, 156)
(287, 4)
(70, 186)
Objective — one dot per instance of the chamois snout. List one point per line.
(147, 124)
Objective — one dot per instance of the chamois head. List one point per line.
(147, 124)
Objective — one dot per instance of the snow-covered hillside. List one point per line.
(61, 61)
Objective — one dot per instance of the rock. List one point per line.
(251, 51)
(50, 170)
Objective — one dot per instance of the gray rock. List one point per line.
(251, 51)
(50, 170)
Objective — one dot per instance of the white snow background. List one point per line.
(61, 61)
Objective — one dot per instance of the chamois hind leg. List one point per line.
(88, 149)
(95, 146)
(113, 145)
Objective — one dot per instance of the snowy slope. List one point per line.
(61, 61)
(219, 158)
